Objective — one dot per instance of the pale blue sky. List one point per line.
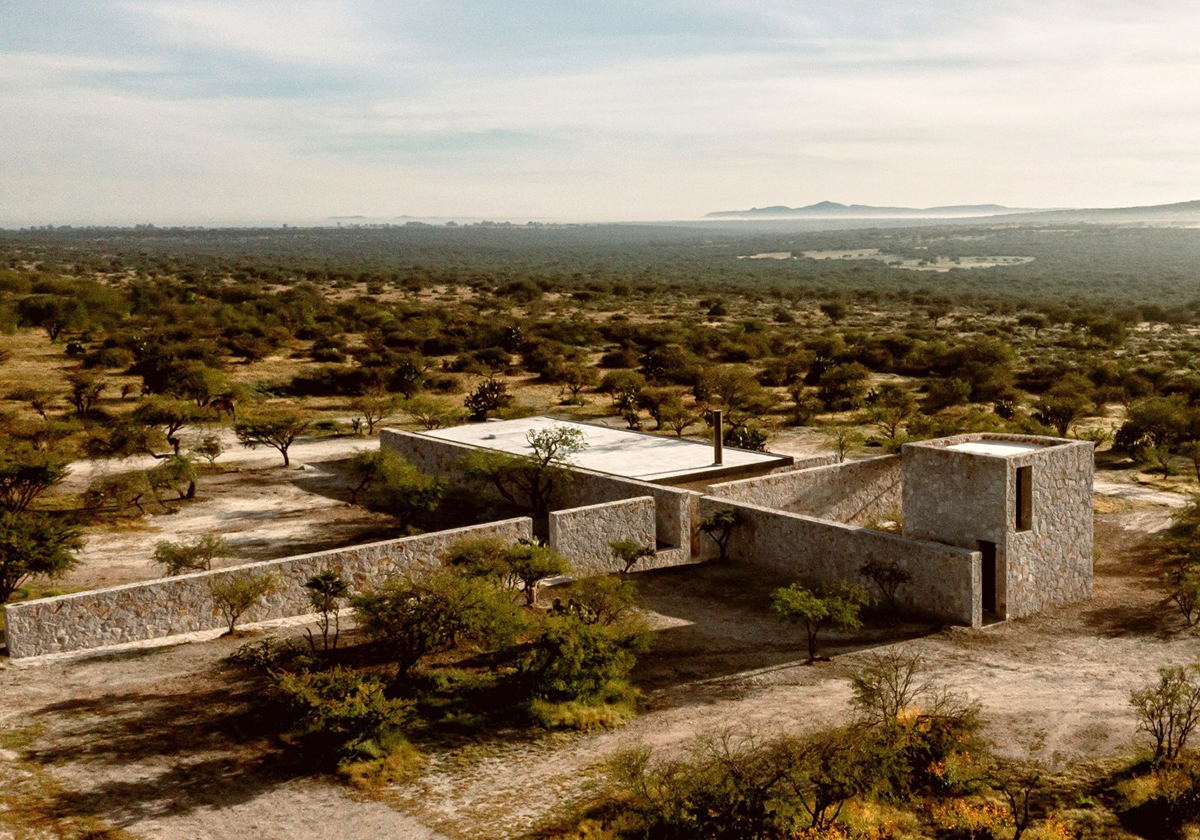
(209, 111)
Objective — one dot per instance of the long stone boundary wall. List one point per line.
(855, 492)
(172, 606)
(584, 535)
(945, 579)
(674, 509)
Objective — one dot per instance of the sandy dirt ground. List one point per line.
(1134, 492)
(262, 509)
(156, 742)
(152, 742)
(721, 662)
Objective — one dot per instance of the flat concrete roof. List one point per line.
(1003, 448)
(615, 451)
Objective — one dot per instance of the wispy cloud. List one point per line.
(259, 109)
(295, 31)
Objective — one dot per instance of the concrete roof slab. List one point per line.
(620, 452)
(1002, 448)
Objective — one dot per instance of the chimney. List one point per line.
(718, 437)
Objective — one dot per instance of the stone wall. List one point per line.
(584, 535)
(945, 579)
(953, 496)
(674, 509)
(431, 455)
(961, 498)
(1052, 563)
(855, 492)
(183, 604)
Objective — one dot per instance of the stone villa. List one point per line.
(990, 527)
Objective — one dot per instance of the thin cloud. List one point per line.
(257, 110)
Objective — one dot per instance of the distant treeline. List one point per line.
(1085, 263)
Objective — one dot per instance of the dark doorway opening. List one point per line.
(988, 550)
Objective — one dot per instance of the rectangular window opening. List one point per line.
(1024, 498)
(987, 551)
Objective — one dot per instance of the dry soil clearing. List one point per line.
(262, 509)
(155, 742)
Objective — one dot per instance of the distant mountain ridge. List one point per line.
(833, 208)
(1179, 211)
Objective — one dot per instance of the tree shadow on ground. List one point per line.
(1129, 596)
(330, 479)
(130, 757)
(719, 628)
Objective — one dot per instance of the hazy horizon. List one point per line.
(236, 113)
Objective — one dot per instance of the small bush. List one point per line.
(1168, 710)
(969, 819)
(1160, 803)
(340, 716)
(577, 658)
(179, 558)
(604, 599)
(739, 787)
(234, 594)
(629, 552)
(270, 654)
(719, 527)
(415, 618)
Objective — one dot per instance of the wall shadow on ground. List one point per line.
(1130, 594)
(723, 628)
(157, 754)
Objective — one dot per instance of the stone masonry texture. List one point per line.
(854, 492)
(183, 604)
(584, 535)
(945, 579)
(962, 498)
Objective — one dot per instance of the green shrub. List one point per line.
(179, 558)
(720, 526)
(515, 567)
(400, 763)
(735, 786)
(1161, 802)
(923, 736)
(415, 618)
(576, 658)
(604, 599)
(234, 594)
(342, 716)
(1168, 709)
(930, 751)
(629, 552)
(271, 654)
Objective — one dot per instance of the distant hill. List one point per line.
(827, 209)
(1183, 211)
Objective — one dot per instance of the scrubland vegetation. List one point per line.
(158, 353)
